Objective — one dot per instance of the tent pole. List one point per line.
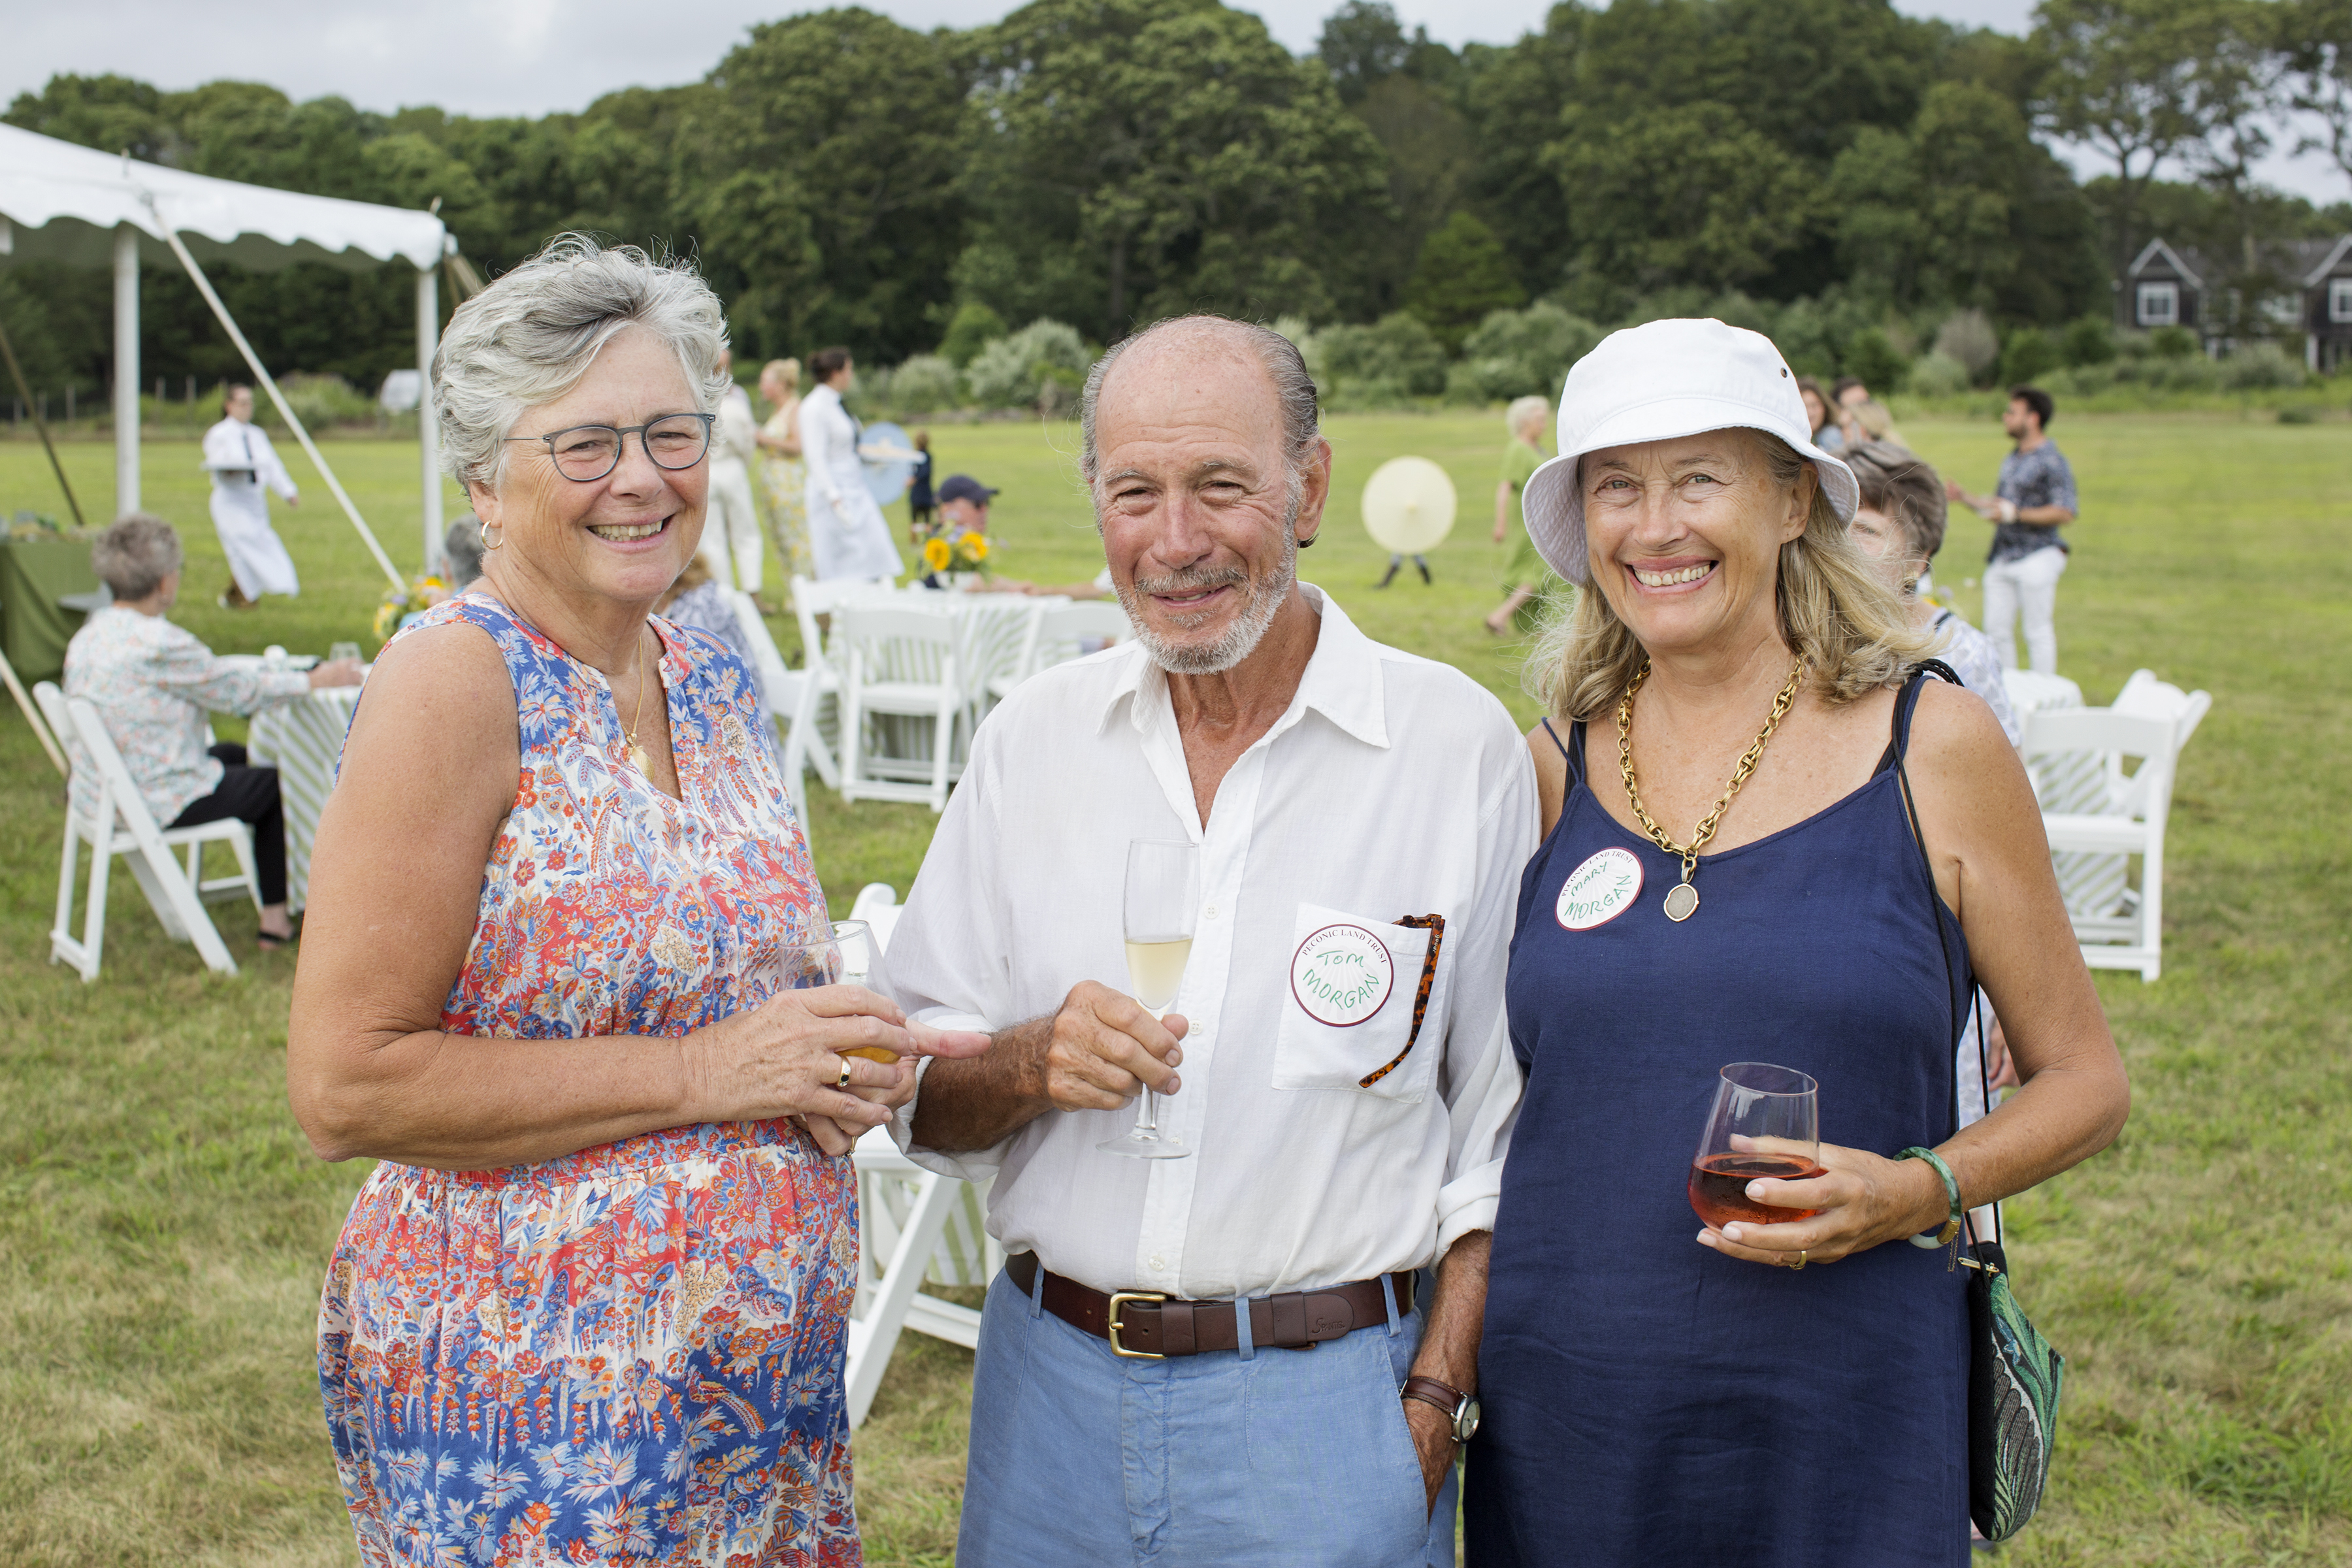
(126, 369)
(428, 338)
(40, 425)
(253, 361)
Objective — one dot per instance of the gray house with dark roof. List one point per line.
(2302, 287)
(2328, 306)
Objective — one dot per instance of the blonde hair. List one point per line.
(1522, 409)
(1843, 620)
(787, 371)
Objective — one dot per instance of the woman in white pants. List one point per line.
(847, 533)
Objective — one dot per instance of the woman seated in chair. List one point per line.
(154, 682)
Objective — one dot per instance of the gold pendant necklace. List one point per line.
(637, 752)
(1682, 898)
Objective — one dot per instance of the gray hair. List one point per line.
(1896, 482)
(530, 337)
(1522, 409)
(1293, 390)
(134, 556)
(461, 549)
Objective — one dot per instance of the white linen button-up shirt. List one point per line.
(1391, 787)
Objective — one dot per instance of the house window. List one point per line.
(2159, 304)
(2340, 298)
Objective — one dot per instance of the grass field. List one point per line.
(163, 1227)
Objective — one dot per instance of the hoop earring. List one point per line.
(489, 543)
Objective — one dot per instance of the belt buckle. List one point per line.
(1110, 1329)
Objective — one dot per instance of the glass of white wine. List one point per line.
(1163, 900)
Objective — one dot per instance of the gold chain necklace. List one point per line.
(637, 752)
(1682, 899)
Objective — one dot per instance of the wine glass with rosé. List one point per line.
(1765, 1124)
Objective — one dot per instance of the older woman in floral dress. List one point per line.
(591, 1306)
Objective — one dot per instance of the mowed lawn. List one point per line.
(163, 1227)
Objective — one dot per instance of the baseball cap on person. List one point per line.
(1656, 382)
(963, 487)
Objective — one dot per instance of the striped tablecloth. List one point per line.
(302, 740)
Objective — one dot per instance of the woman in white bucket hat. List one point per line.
(1730, 873)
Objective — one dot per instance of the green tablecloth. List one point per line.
(34, 627)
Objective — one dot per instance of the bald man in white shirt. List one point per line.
(1220, 1359)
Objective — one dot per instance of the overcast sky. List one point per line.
(529, 57)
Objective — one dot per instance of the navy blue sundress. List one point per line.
(1648, 1401)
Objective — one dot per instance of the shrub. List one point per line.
(2085, 380)
(925, 384)
(2028, 354)
(1013, 372)
(2259, 366)
(973, 329)
(1967, 336)
(1938, 375)
(1871, 356)
(1380, 365)
(2172, 342)
(2298, 414)
(2088, 342)
(318, 400)
(1515, 353)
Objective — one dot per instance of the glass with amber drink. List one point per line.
(1765, 1124)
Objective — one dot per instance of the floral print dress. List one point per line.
(632, 1355)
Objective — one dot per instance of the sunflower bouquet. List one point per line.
(961, 553)
(397, 603)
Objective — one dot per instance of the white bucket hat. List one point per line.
(1656, 382)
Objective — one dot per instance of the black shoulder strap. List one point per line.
(1907, 703)
(1571, 749)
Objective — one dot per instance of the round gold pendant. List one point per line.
(1682, 902)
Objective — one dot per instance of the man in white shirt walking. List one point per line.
(730, 535)
(244, 469)
(1223, 1359)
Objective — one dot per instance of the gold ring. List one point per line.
(1800, 1258)
(843, 1081)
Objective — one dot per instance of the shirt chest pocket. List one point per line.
(1364, 1004)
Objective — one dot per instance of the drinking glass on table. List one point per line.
(1765, 1124)
(1163, 900)
(341, 651)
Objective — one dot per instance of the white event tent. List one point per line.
(63, 202)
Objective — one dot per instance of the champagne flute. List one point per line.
(1765, 1124)
(1163, 900)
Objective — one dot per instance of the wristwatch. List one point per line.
(1461, 1408)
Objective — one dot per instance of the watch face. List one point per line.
(1465, 1421)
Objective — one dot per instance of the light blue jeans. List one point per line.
(1222, 1460)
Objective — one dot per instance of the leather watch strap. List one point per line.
(1429, 1391)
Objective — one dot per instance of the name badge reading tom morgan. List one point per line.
(1599, 890)
(1342, 975)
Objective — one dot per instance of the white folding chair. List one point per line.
(1060, 633)
(818, 681)
(123, 825)
(783, 685)
(2124, 929)
(899, 664)
(918, 1226)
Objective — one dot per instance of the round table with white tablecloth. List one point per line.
(302, 740)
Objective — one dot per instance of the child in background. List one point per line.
(920, 504)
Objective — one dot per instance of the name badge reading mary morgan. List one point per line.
(1342, 975)
(1599, 890)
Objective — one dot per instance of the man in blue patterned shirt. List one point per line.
(2034, 497)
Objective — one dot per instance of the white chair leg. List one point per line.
(247, 863)
(942, 745)
(806, 741)
(909, 1261)
(93, 927)
(190, 908)
(852, 746)
(61, 942)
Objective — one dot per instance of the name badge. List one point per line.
(1342, 975)
(1599, 890)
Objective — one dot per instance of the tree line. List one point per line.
(841, 178)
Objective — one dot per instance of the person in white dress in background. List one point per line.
(244, 469)
(847, 533)
(731, 536)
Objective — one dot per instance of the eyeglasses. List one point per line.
(586, 453)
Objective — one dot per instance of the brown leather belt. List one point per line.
(1146, 1325)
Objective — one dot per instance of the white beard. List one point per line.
(1240, 639)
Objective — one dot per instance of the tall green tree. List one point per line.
(2317, 45)
(1465, 276)
(1137, 157)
